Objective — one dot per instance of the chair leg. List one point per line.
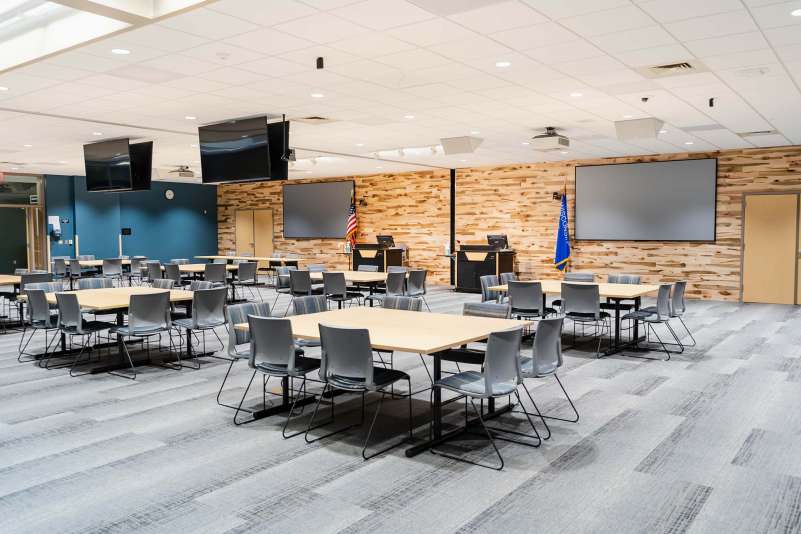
(372, 424)
(244, 395)
(130, 361)
(694, 343)
(309, 427)
(219, 392)
(78, 356)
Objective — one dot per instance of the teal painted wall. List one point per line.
(60, 201)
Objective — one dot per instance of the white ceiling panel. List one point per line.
(498, 17)
(431, 32)
(269, 41)
(787, 35)
(608, 21)
(373, 13)
(674, 10)
(564, 52)
(536, 36)
(638, 39)
(777, 15)
(726, 45)
(750, 58)
(256, 10)
(161, 38)
(556, 9)
(321, 28)
(180, 64)
(732, 22)
(209, 24)
(372, 45)
(222, 54)
(659, 55)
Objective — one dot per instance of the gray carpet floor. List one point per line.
(709, 441)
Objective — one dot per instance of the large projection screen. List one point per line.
(661, 201)
(317, 209)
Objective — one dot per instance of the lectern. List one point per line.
(475, 261)
(376, 254)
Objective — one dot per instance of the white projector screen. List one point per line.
(317, 209)
(661, 201)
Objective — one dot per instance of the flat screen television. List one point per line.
(278, 139)
(317, 209)
(235, 151)
(386, 241)
(141, 165)
(659, 201)
(108, 166)
(498, 241)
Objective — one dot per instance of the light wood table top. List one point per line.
(247, 258)
(195, 268)
(9, 279)
(98, 263)
(116, 298)
(406, 331)
(615, 291)
(354, 277)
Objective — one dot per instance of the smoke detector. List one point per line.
(549, 141)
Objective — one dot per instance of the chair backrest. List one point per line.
(502, 360)
(300, 282)
(621, 278)
(137, 264)
(95, 283)
(271, 341)
(112, 267)
(346, 353)
(525, 295)
(47, 287)
(487, 281)
(69, 312)
(505, 278)
(148, 312)
(581, 299)
(334, 284)
(487, 309)
(677, 302)
(546, 352)
(221, 260)
(33, 278)
(315, 268)
(194, 285)
(579, 277)
(38, 308)
(208, 307)
(154, 270)
(214, 272)
(309, 304)
(172, 271)
(237, 314)
(367, 268)
(163, 283)
(75, 267)
(663, 302)
(247, 271)
(180, 261)
(60, 266)
(87, 257)
(396, 282)
(282, 276)
(395, 302)
(396, 269)
(416, 282)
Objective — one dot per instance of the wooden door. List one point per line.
(263, 234)
(770, 248)
(245, 244)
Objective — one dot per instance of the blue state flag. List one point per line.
(562, 253)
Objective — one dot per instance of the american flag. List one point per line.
(352, 226)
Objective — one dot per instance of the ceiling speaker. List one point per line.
(460, 145)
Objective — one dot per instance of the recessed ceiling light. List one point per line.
(308, 172)
(379, 167)
(190, 117)
(563, 152)
(14, 168)
(503, 64)
(317, 95)
(62, 161)
(359, 144)
(97, 134)
(474, 132)
(120, 51)
(3, 88)
(408, 116)
(28, 146)
(688, 142)
(462, 160)
(796, 12)
(525, 143)
(663, 131)
(626, 116)
(576, 94)
(193, 145)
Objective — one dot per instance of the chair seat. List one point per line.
(587, 317)
(381, 376)
(126, 331)
(611, 306)
(527, 312)
(472, 383)
(527, 368)
(188, 324)
(303, 365)
(645, 314)
(307, 343)
(350, 295)
(90, 326)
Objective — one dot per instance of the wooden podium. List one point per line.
(375, 254)
(475, 261)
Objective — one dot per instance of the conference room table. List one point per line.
(616, 293)
(429, 334)
(249, 258)
(14, 281)
(115, 300)
(98, 263)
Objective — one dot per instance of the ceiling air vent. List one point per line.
(673, 69)
(757, 133)
(314, 119)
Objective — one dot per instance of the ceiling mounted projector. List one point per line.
(460, 145)
(550, 140)
(634, 129)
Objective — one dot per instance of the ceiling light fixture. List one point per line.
(3, 88)
(317, 95)
(576, 94)
(120, 51)
(14, 168)
(503, 64)
(688, 142)
(62, 161)
(474, 132)
(408, 116)
(28, 146)
(190, 117)
(525, 143)
(97, 134)
(663, 131)
(626, 116)
(379, 167)
(563, 151)
(359, 144)
(796, 12)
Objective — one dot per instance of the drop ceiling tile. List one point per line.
(609, 21)
(163, 92)
(327, 4)
(254, 10)
(145, 74)
(115, 83)
(431, 32)
(196, 84)
(307, 57)
(77, 60)
(789, 53)
(563, 9)
(475, 47)
(180, 64)
(162, 38)
(321, 28)
(418, 58)
(610, 77)
(590, 65)
(563, 52)
(382, 14)
(222, 54)
(659, 55)
(787, 35)
(777, 15)
(269, 41)
(498, 17)
(208, 24)
(372, 45)
(716, 46)
(273, 66)
(673, 10)
(729, 23)
(741, 59)
(638, 39)
(535, 36)
(43, 69)
(723, 138)
(767, 141)
(232, 76)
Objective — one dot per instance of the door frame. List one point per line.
(797, 193)
(253, 223)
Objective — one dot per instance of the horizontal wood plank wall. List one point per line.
(517, 199)
(413, 207)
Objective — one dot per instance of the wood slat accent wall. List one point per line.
(413, 207)
(517, 199)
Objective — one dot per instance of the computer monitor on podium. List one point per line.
(498, 241)
(386, 241)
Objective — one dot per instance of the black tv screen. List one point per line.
(317, 209)
(278, 139)
(235, 151)
(108, 166)
(141, 165)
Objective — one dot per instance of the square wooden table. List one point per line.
(10, 280)
(431, 334)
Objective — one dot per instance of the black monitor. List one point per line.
(235, 151)
(278, 141)
(141, 165)
(108, 165)
(497, 241)
(386, 241)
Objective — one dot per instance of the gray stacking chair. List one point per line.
(95, 283)
(395, 285)
(163, 283)
(545, 360)
(247, 277)
(499, 377)
(396, 269)
(620, 278)
(194, 285)
(26, 279)
(282, 286)
(397, 302)
(309, 304)
(316, 268)
(215, 273)
(527, 300)
(659, 314)
(75, 270)
(300, 285)
(368, 268)
(112, 269)
(335, 288)
(488, 281)
(180, 261)
(208, 312)
(71, 323)
(678, 305)
(581, 304)
(347, 364)
(154, 271)
(239, 340)
(60, 269)
(172, 271)
(505, 278)
(137, 268)
(274, 355)
(87, 257)
(40, 317)
(487, 309)
(574, 276)
(148, 316)
(416, 285)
